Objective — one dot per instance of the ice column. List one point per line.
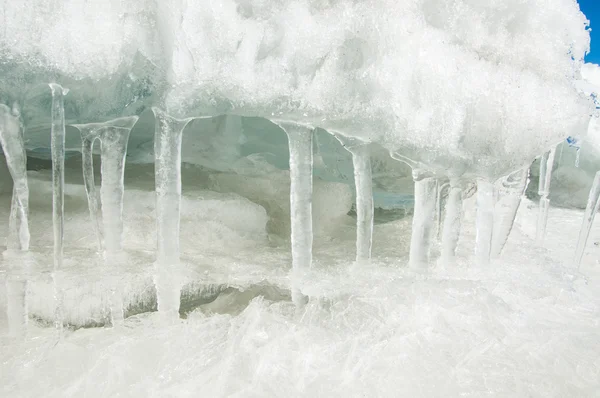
(452, 220)
(167, 157)
(423, 219)
(57, 144)
(113, 136)
(11, 139)
(485, 221)
(513, 187)
(593, 204)
(301, 174)
(363, 181)
(364, 202)
(546, 163)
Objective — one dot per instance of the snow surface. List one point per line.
(527, 325)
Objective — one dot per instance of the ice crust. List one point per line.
(482, 85)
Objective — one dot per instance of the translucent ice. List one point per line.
(11, 139)
(511, 190)
(452, 220)
(546, 166)
(486, 200)
(591, 210)
(58, 169)
(301, 190)
(113, 137)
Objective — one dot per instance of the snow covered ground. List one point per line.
(526, 325)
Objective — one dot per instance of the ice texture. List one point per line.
(301, 191)
(546, 166)
(113, 137)
(58, 173)
(11, 140)
(511, 190)
(452, 220)
(591, 210)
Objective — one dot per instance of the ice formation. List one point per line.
(11, 138)
(462, 93)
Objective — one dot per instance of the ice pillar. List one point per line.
(485, 221)
(513, 187)
(364, 202)
(363, 181)
(423, 219)
(593, 204)
(167, 157)
(57, 144)
(546, 163)
(113, 136)
(11, 139)
(452, 220)
(301, 174)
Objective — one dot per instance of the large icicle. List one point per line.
(361, 159)
(423, 219)
(452, 220)
(593, 204)
(363, 181)
(513, 188)
(546, 163)
(485, 221)
(301, 174)
(167, 157)
(57, 144)
(113, 136)
(11, 139)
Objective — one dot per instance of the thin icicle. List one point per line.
(452, 220)
(546, 164)
(113, 137)
(485, 221)
(90, 187)
(11, 139)
(423, 219)
(57, 144)
(167, 169)
(593, 204)
(513, 187)
(301, 174)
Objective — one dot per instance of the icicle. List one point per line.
(11, 139)
(440, 196)
(513, 187)
(452, 220)
(423, 219)
(167, 157)
(485, 221)
(593, 204)
(364, 202)
(363, 181)
(16, 292)
(546, 164)
(57, 143)
(577, 157)
(113, 136)
(301, 169)
(90, 187)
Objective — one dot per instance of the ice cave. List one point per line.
(301, 198)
